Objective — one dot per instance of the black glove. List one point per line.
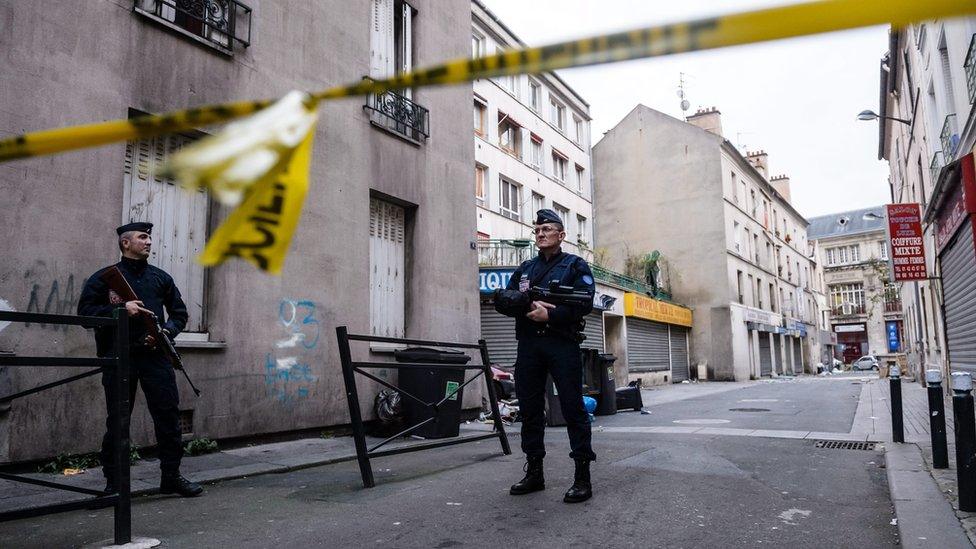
(511, 302)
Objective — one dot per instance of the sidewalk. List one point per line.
(925, 499)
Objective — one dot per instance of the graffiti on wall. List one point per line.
(50, 294)
(287, 369)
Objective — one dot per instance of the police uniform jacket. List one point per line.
(566, 270)
(154, 287)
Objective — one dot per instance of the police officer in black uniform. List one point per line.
(548, 343)
(149, 367)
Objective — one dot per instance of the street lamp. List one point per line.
(871, 115)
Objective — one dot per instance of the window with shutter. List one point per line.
(387, 253)
(179, 217)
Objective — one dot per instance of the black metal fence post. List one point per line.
(965, 427)
(496, 415)
(355, 416)
(937, 426)
(123, 505)
(897, 421)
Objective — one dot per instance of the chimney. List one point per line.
(782, 185)
(760, 161)
(709, 119)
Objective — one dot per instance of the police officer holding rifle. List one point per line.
(549, 296)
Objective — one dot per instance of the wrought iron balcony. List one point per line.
(847, 309)
(218, 23)
(970, 69)
(610, 277)
(892, 306)
(397, 114)
(936, 166)
(949, 136)
(505, 253)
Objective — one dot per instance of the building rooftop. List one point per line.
(846, 223)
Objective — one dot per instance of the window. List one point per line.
(755, 246)
(480, 175)
(581, 230)
(479, 118)
(510, 82)
(509, 203)
(950, 105)
(535, 95)
(538, 203)
(180, 218)
(557, 114)
(578, 130)
(772, 297)
(737, 237)
(580, 179)
(969, 68)
(759, 290)
(735, 189)
(745, 195)
(847, 299)
(738, 286)
(509, 135)
(855, 253)
(387, 258)
(752, 195)
(217, 23)
(559, 164)
(535, 159)
(750, 288)
(563, 213)
(391, 40)
(883, 247)
(477, 45)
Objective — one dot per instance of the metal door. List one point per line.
(778, 354)
(498, 332)
(798, 355)
(958, 262)
(679, 354)
(765, 354)
(647, 346)
(593, 331)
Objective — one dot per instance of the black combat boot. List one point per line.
(581, 489)
(179, 485)
(533, 480)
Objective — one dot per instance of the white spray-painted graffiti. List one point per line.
(287, 372)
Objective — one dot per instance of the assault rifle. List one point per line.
(560, 295)
(155, 335)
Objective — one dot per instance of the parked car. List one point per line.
(866, 362)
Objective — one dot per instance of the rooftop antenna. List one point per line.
(681, 93)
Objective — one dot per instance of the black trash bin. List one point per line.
(431, 385)
(606, 402)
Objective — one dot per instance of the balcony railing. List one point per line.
(893, 306)
(610, 277)
(505, 253)
(215, 22)
(849, 309)
(397, 114)
(936, 166)
(949, 136)
(970, 69)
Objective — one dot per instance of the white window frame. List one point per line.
(516, 135)
(535, 95)
(580, 178)
(483, 198)
(559, 166)
(510, 194)
(557, 114)
(578, 129)
(538, 202)
(537, 152)
(478, 45)
(581, 229)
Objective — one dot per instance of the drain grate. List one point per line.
(748, 409)
(844, 445)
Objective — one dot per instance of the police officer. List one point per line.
(149, 367)
(548, 343)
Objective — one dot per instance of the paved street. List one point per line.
(652, 488)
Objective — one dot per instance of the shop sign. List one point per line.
(490, 280)
(907, 246)
(843, 328)
(639, 306)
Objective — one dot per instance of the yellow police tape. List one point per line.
(702, 34)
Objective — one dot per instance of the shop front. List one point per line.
(852, 341)
(657, 337)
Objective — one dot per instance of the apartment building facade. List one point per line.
(864, 305)
(736, 246)
(927, 132)
(382, 245)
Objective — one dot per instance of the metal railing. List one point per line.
(969, 68)
(849, 309)
(935, 167)
(122, 499)
(892, 306)
(351, 368)
(399, 115)
(505, 253)
(949, 137)
(218, 22)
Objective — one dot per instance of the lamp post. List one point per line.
(869, 115)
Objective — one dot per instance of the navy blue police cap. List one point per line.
(547, 216)
(141, 226)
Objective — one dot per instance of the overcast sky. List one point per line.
(796, 99)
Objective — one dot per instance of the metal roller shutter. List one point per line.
(679, 354)
(959, 293)
(778, 354)
(499, 333)
(593, 331)
(798, 355)
(765, 356)
(647, 346)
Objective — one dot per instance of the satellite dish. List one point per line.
(685, 104)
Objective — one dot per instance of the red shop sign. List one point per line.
(907, 244)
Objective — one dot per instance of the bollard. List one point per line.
(937, 426)
(897, 422)
(965, 427)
